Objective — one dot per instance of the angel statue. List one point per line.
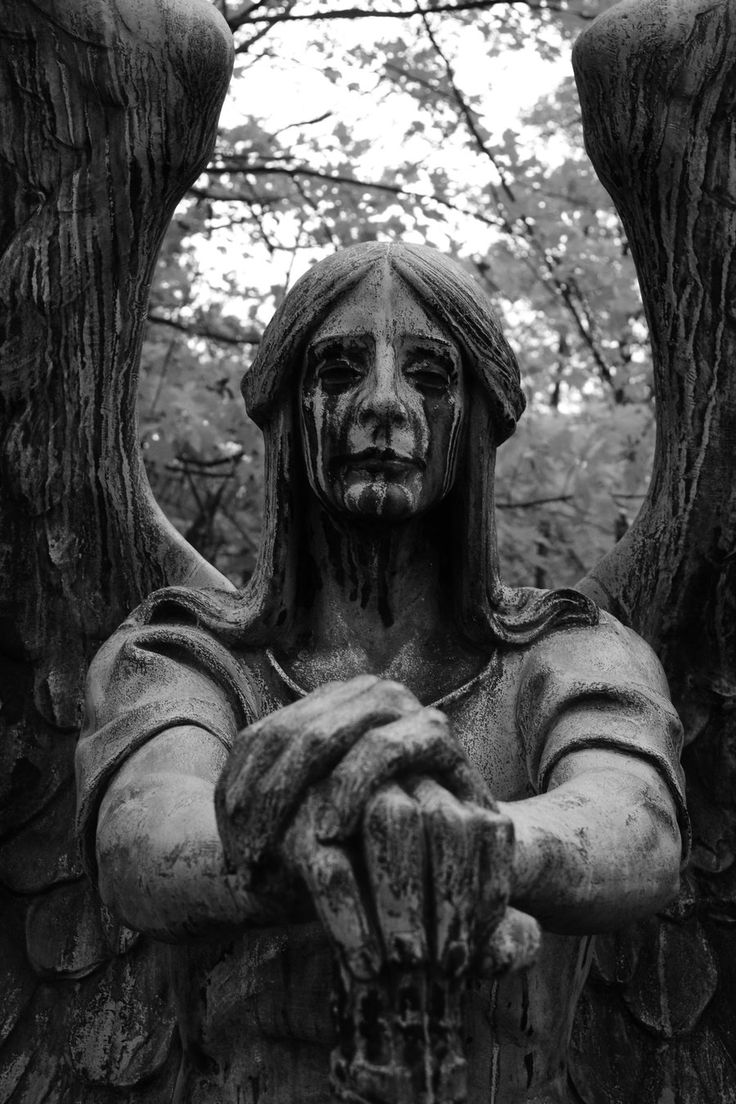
(362, 704)
(347, 834)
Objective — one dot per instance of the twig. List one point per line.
(336, 178)
(409, 13)
(249, 337)
(533, 502)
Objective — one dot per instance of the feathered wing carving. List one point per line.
(657, 81)
(108, 110)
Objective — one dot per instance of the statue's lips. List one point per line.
(384, 461)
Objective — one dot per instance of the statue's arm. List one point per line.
(147, 784)
(163, 705)
(159, 857)
(601, 848)
(602, 842)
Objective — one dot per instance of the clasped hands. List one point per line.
(365, 795)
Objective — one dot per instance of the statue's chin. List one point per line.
(381, 499)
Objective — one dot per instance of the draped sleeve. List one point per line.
(149, 677)
(599, 687)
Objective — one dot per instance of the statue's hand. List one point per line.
(426, 881)
(275, 761)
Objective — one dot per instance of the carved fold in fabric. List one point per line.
(146, 679)
(613, 696)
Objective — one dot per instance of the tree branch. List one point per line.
(533, 502)
(249, 337)
(409, 13)
(521, 225)
(260, 169)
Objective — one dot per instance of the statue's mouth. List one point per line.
(384, 460)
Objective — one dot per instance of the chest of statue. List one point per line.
(481, 711)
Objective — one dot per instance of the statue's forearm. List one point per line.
(598, 851)
(161, 865)
(160, 858)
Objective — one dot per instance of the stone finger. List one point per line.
(393, 845)
(327, 872)
(256, 747)
(415, 743)
(259, 793)
(453, 873)
(323, 742)
(493, 841)
(513, 945)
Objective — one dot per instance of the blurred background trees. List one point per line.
(454, 124)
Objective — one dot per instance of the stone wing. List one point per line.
(108, 110)
(657, 82)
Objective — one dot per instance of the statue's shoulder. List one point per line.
(177, 636)
(601, 648)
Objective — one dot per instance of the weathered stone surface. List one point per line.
(611, 1061)
(67, 935)
(108, 110)
(656, 80)
(663, 995)
(703, 1070)
(35, 760)
(615, 956)
(121, 1025)
(44, 851)
(31, 1069)
(17, 981)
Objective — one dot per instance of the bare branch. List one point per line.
(250, 336)
(306, 122)
(533, 502)
(191, 463)
(408, 13)
(267, 23)
(521, 225)
(260, 169)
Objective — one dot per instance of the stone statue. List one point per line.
(333, 743)
(386, 842)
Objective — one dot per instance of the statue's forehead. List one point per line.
(381, 304)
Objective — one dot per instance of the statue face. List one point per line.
(382, 404)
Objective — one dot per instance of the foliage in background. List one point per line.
(408, 140)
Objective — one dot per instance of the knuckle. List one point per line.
(436, 718)
(442, 819)
(331, 874)
(363, 681)
(394, 693)
(373, 740)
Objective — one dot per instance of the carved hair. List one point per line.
(486, 610)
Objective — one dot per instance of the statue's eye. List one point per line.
(337, 372)
(431, 377)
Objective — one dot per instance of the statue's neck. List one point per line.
(377, 572)
(382, 603)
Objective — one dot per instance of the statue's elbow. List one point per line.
(118, 858)
(666, 861)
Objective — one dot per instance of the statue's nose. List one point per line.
(383, 396)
